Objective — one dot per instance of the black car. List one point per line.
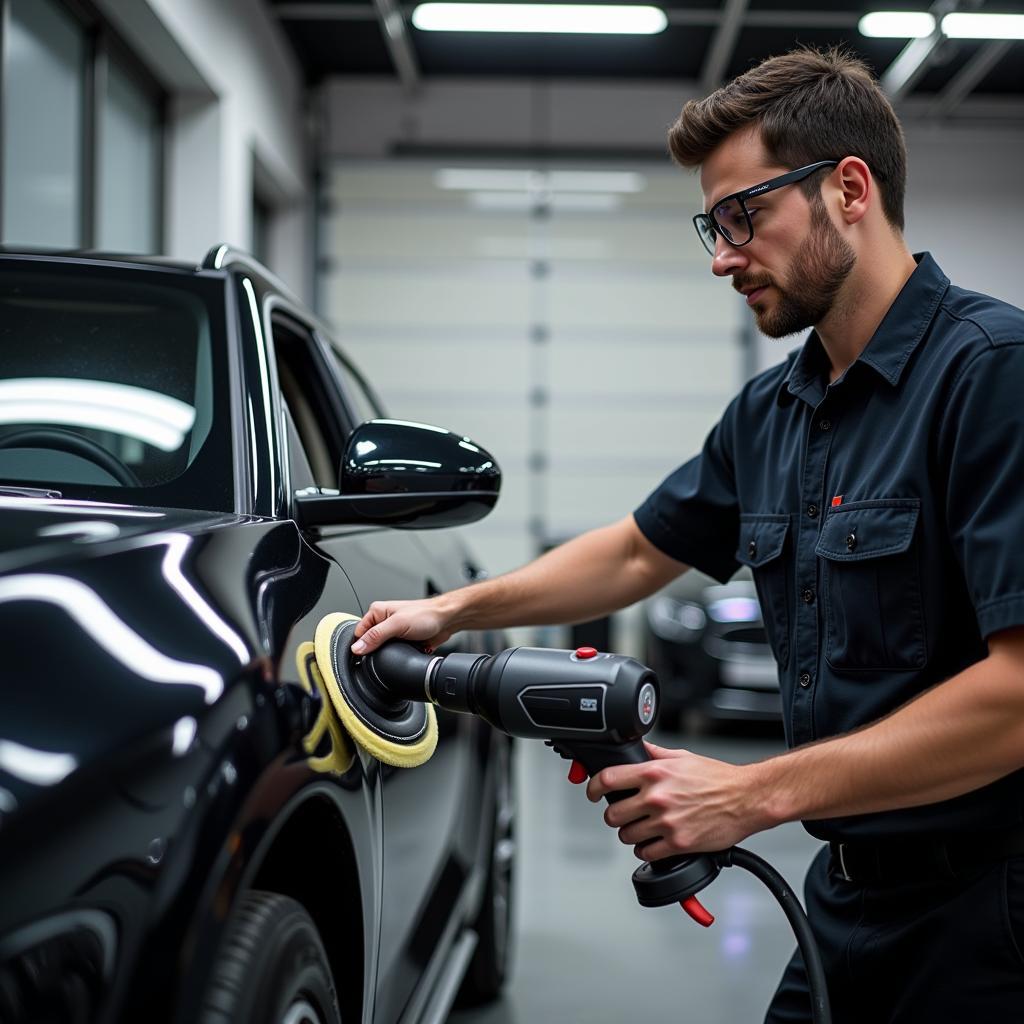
(707, 643)
(188, 484)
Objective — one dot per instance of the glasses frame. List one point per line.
(707, 220)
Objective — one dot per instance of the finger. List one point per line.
(636, 833)
(375, 636)
(377, 612)
(657, 849)
(610, 780)
(658, 753)
(601, 784)
(623, 812)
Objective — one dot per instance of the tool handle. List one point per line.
(684, 875)
(596, 756)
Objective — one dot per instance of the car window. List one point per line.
(366, 404)
(315, 417)
(299, 467)
(114, 380)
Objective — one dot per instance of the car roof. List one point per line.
(93, 256)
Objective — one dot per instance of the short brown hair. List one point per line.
(808, 105)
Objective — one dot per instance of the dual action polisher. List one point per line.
(593, 708)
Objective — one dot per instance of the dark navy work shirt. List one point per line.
(882, 516)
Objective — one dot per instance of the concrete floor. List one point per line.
(587, 952)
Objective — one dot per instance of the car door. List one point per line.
(423, 873)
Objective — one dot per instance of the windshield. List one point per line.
(113, 385)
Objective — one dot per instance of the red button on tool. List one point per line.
(586, 652)
(577, 773)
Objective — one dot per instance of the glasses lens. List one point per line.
(732, 221)
(706, 231)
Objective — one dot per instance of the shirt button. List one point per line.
(812, 511)
(851, 541)
(805, 679)
(752, 549)
(808, 596)
(825, 425)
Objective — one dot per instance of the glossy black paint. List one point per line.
(391, 456)
(151, 767)
(402, 474)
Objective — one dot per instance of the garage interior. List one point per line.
(492, 226)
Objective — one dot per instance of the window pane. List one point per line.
(114, 379)
(43, 98)
(129, 148)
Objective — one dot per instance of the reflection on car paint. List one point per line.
(115, 636)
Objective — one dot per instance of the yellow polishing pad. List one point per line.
(402, 752)
(342, 753)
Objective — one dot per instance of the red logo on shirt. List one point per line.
(837, 500)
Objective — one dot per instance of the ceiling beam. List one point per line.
(324, 11)
(723, 44)
(970, 75)
(396, 37)
(915, 58)
(909, 67)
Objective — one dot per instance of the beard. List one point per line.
(817, 273)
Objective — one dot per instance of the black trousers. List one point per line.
(931, 952)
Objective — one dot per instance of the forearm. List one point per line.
(962, 734)
(593, 574)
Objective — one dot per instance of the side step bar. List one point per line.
(447, 988)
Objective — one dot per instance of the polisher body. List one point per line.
(534, 693)
(593, 708)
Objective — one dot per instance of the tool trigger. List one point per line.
(694, 908)
(577, 773)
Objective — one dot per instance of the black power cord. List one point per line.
(738, 857)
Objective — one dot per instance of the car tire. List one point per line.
(492, 960)
(271, 968)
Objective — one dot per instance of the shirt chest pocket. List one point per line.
(871, 582)
(762, 548)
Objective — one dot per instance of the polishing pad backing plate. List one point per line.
(409, 742)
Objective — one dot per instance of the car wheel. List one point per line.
(492, 959)
(271, 968)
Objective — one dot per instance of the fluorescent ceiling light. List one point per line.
(579, 201)
(497, 17)
(984, 26)
(470, 179)
(897, 24)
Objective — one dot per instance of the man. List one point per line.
(873, 483)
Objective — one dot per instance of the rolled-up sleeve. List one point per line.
(693, 514)
(982, 446)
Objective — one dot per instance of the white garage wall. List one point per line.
(582, 348)
(236, 121)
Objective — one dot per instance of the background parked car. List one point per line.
(185, 491)
(706, 641)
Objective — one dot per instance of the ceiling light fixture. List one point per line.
(897, 24)
(579, 18)
(482, 179)
(594, 202)
(983, 26)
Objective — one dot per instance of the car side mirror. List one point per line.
(403, 474)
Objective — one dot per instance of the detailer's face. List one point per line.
(792, 269)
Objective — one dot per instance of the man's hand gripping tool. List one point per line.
(593, 708)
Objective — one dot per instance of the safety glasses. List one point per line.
(730, 218)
